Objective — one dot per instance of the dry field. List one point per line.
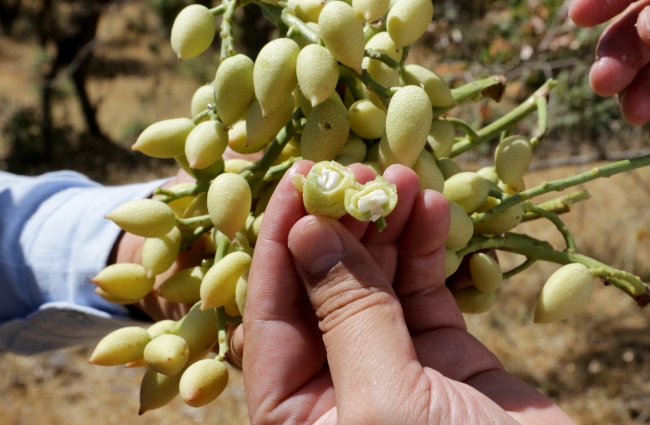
(595, 365)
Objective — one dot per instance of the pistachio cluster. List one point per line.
(334, 88)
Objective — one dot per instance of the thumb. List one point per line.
(369, 350)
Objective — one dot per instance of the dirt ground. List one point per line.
(595, 365)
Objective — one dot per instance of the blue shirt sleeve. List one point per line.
(53, 240)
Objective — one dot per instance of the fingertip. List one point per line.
(362, 173)
(643, 25)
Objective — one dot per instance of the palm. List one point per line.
(392, 343)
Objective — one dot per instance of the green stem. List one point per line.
(559, 205)
(280, 169)
(463, 125)
(202, 115)
(505, 122)
(542, 120)
(255, 175)
(369, 31)
(222, 335)
(171, 195)
(196, 233)
(219, 10)
(297, 25)
(561, 184)
(381, 224)
(555, 219)
(383, 57)
(193, 222)
(496, 194)
(521, 244)
(520, 268)
(472, 91)
(227, 40)
(382, 92)
(352, 84)
(222, 243)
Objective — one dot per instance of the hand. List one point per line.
(344, 324)
(623, 53)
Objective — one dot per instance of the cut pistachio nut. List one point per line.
(324, 189)
(374, 200)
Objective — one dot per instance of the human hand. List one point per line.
(346, 324)
(623, 53)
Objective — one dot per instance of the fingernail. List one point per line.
(645, 21)
(316, 247)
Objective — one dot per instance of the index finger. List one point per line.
(588, 13)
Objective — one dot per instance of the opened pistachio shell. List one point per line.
(373, 200)
(193, 31)
(324, 189)
(233, 88)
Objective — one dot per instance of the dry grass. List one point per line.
(596, 364)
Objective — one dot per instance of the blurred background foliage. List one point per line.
(528, 41)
